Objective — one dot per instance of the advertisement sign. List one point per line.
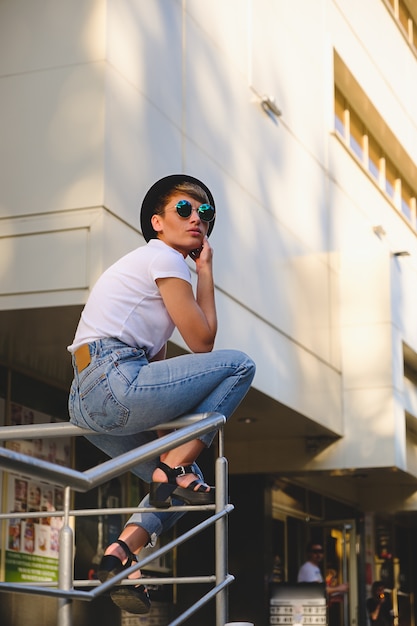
(32, 543)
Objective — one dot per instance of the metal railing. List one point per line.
(188, 428)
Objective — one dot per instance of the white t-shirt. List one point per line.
(125, 303)
(309, 573)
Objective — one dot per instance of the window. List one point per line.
(339, 113)
(406, 16)
(350, 126)
(374, 158)
(410, 364)
(403, 16)
(356, 135)
(390, 177)
(407, 200)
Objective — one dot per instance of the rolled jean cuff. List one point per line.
(207, 439)
(154, 523)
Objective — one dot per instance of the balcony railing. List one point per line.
(188, 428)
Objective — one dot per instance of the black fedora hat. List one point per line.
(160, 188)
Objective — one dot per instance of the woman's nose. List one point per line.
(195, 214)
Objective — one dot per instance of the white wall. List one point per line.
(99, 99)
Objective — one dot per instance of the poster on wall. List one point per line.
(54, 450)
(32, 543)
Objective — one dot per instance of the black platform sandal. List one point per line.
(161, 494)
(132, 599)
(111, 565)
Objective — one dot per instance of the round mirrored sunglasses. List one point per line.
(205, 212)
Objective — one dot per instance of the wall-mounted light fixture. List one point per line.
(267, 103)
(269, 106)
(379, 230)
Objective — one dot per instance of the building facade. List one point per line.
(301, 117)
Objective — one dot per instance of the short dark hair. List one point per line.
(376, 585)
(309, 547)
(191, 189)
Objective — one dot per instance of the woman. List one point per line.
(122, 383)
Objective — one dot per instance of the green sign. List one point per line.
(26, 568)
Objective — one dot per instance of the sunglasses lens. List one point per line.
(206, 212)
(184, 208)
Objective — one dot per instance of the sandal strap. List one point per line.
(202, 486)
(130, 556)
(173, 472)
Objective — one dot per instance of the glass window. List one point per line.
(410, 373)
(339, 113)
(374, 157)
(314, 504)
(39, 396)
(356, 133)
(403, 16)
(404, 19)
(287, 495)
(406, 200)
(390, 176)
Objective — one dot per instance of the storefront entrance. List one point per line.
(340, 565)
(299, 516)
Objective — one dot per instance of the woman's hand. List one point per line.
(205, 260)
(202, 254)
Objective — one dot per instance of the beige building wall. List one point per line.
(101, 98)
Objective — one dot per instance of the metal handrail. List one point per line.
(84, 481)
(190, 427)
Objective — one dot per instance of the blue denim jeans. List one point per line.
(120, 395)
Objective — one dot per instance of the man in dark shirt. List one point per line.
(379, 606)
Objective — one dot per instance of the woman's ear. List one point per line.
(156, 223)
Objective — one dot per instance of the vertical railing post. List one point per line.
(66, 564)
(221, 534)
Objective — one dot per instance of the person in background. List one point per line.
(124, 386)
(310, 571)
(379, 606)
